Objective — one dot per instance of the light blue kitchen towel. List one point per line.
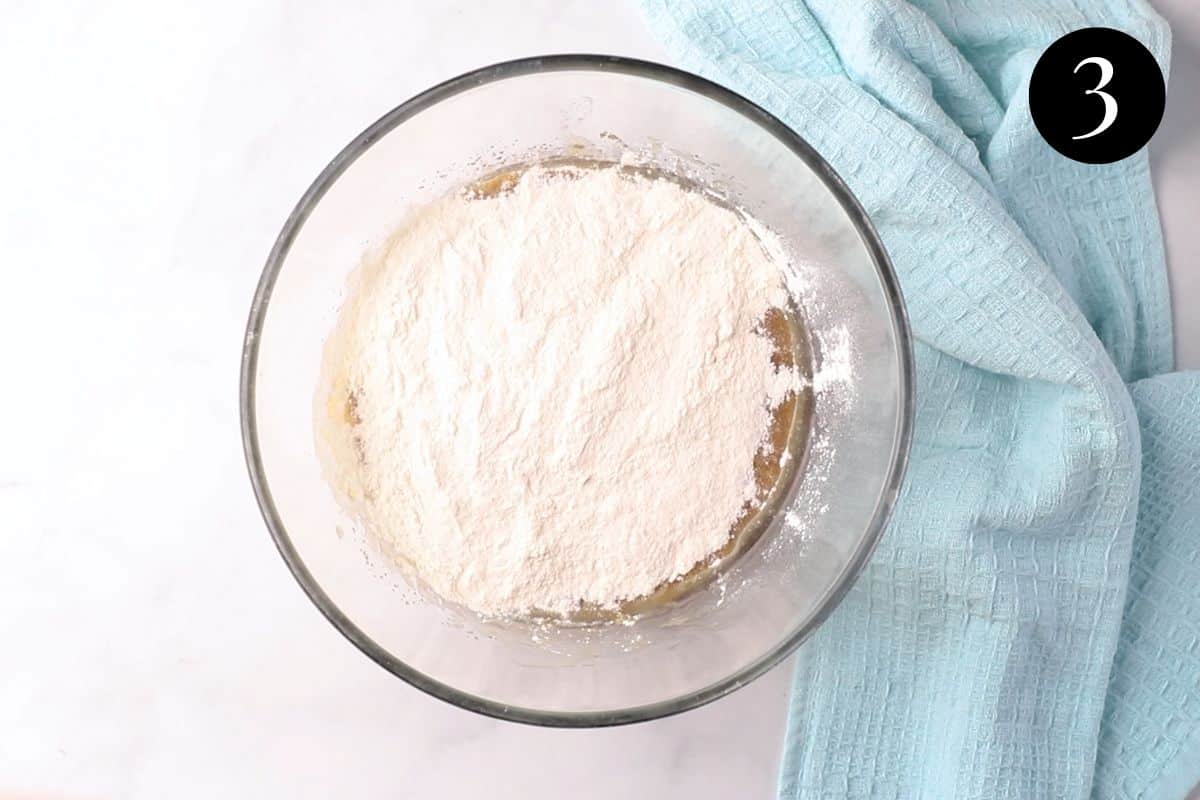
(1030, 624)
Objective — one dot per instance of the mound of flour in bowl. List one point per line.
(553, 395)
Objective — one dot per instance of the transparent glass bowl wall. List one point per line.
(717, 638)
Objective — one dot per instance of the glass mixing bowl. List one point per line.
(714, 638)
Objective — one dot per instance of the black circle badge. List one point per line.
(1097, 95)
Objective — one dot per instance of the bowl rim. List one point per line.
(515, 69)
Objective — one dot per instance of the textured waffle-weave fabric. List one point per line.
(1030, 623)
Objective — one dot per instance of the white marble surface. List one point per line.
(152, 643)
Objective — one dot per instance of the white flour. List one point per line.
(557, 392)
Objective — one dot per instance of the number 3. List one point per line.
(1110, 104)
